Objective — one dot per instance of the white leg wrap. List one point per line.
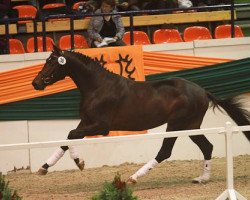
(73, 152)
(145, 169)
(206, 172)
(55, 157)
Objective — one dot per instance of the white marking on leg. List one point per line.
(144, 169)
(206, 173)
(73, 152)
(55, 157)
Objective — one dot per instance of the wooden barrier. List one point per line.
(146, 20)
(12, 29)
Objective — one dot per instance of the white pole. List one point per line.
(229, 155)
(230, 192)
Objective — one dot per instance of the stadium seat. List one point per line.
(79, 42)
(16, 46)
(196, 33)
(166, 36)
(53, 5)
(31, 45)
(140, 38)
(25, 11)
(55, 9)
(224, 31)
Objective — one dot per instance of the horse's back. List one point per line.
(152, 103)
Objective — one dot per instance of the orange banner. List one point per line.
(157, 62)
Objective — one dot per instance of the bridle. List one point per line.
(47, 79)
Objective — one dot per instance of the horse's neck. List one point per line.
(85, 79)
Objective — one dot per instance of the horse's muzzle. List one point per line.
(37, 85)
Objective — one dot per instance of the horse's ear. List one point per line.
(57, 50)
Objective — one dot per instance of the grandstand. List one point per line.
(58, 25)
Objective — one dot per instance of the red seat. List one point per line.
(196, 33)
(16, 46)
(79, 42)
(31, 45)
(140, 38)
(166, 36)
(53, 5)
(224, 31)
(26, 11)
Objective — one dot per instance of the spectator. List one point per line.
(4, 8)
(128, 5)
(197, 3)
(83, 4)
(184, 4)
(4, 12)
(157, 4)
(106, 26)
(88, 7)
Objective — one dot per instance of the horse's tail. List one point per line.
(234, 109)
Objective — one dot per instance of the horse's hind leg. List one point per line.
(206, 148)
(168, 143)
(164, 153)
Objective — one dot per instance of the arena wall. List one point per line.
(117, 153)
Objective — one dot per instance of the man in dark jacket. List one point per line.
(4, 11)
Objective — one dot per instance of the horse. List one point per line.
(111, 102)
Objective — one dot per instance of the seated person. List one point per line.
(185, 3)
(157, 4)
(88, 7)
(128, 5)
(4, 8)
(110, 26)
(4, 11)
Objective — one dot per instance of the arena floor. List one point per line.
(168, 181)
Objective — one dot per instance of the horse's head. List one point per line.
(53, 70)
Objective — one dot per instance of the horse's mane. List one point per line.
(90, 63)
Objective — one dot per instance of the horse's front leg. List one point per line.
(58, 153)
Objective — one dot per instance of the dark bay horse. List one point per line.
(111, 102)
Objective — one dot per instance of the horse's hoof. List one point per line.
(200, 180)
(42, 171)
(81, 165)
(132, 180)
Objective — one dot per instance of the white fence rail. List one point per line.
(228, 130)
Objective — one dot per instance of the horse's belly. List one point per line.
(138, 122)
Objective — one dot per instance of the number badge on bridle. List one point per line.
(61, 60)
